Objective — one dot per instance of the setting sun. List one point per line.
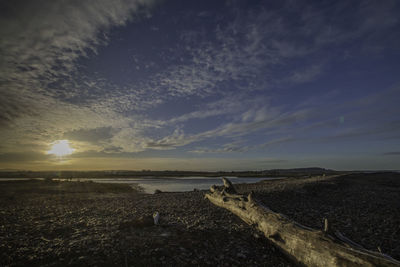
(61, 148)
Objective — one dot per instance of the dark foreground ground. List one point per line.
(71, 223)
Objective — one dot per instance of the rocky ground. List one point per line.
(70, 223)
(364, 207)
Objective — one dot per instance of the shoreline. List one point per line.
(46, 223)
(151, 185)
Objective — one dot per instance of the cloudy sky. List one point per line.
(200, 85)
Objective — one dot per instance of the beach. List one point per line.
(53, 223)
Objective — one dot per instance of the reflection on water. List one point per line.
(171, 184)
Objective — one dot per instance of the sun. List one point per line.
(61, 148)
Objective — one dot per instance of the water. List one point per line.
(174, 184)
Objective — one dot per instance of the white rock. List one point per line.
(156, 217)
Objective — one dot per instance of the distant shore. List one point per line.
(63, 223)
(299, 172)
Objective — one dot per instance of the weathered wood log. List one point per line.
(305, 245)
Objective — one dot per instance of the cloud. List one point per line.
(90, 135)
(227, 105)
(176, 139)
(393, 153)
(238, 147)
(234, 75)
(42, 40)
(14, 105)
(234, 147)
(42, 93)
(43, 36)
(260, 119)
(23, 157)
(309, 74)
(216, 67)
(256, 49)
(316, 121)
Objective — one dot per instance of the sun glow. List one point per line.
(61, 148)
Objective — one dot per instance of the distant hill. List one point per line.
(300, 172)
(309, 170)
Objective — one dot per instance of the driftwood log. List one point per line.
(306, 246)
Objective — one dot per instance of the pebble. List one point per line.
(199, 231)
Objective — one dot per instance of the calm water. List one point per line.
(170, 184)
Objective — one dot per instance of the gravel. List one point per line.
(45, 223)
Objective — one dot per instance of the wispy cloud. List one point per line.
(239, 147)
(260, 119)
(41, 43)
(308, 74)
(241, 79)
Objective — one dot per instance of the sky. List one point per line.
(199, 85)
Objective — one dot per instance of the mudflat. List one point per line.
(49, 223)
